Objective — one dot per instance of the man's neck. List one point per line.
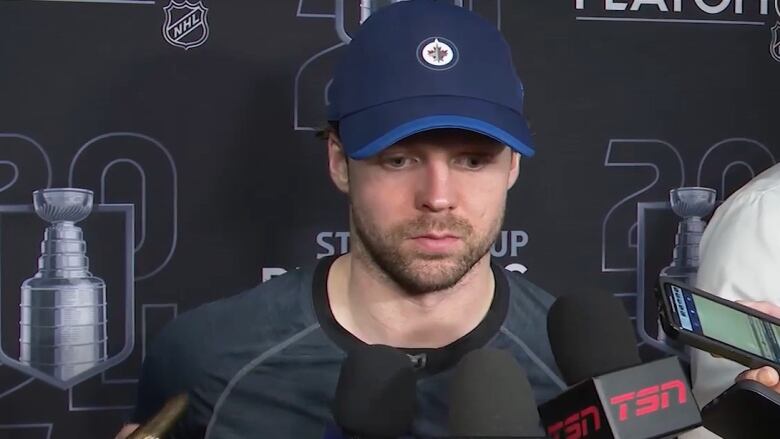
(376, 310)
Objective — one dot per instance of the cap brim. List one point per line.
(369, 131)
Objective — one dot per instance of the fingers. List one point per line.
(763, 306)
(766, 375)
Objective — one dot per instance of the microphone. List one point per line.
(375, 395)
(490, 397)
(161, 423)
(613, 395)
(746, 409)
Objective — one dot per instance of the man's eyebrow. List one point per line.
(395, 148)
(492, 149)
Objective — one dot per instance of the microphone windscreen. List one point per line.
(490, 396)
(590, 335)
(375, 394)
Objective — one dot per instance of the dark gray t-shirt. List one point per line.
(264, 363)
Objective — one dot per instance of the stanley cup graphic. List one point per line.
(63, 309)
(368, 7)
(690, 203)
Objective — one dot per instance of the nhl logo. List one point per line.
(774, 46)
(437, 53)
(185, 24)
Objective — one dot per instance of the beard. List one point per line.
(416, 272)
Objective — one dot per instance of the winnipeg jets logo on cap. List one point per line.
(437, 53)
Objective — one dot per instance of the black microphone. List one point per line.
(746, 409)
(613, 395)
(375, 394)
(490, 397)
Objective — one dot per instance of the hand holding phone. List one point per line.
(719, 326)
(766, 376)
(763, 306)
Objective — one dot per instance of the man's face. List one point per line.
(426, 209)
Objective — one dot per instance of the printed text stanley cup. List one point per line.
(63, 309)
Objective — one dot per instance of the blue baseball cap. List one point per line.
(419, 65)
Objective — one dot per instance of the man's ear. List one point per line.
(337, 163)
(514, 169)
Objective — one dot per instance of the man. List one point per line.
(740, 260)
(427, 133)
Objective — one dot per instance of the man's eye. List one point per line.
(397, 162)
(471, 161)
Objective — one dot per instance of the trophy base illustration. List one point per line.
(63, 325)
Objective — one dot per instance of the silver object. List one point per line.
(690, 203)
(63, 309)
(368, 7)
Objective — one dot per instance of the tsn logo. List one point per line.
(649, 400)
(576, 425)
(630, 405)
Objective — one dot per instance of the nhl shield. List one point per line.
(774, 46)
(54, 312)
(185, 24)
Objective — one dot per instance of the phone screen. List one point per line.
(725, 324)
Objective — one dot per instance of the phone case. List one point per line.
(746, 409)
(672, 328)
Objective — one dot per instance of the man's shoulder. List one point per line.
(763, 190)
(524, 332)
(766, 181)
(204, 348)
(527, 309)
(260, 316)
(526, 294)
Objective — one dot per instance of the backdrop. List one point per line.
(193, 123)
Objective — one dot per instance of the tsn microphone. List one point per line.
(613, 395)
(490, 397)
(375, 395)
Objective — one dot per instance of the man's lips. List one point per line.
(437, 235)
(437, 242)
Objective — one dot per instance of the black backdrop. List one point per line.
(209, 136)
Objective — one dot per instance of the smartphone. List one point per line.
(719, 326)
(746, 409)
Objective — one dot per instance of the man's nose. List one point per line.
(436, 190)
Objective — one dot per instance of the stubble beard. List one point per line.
(415, 272)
